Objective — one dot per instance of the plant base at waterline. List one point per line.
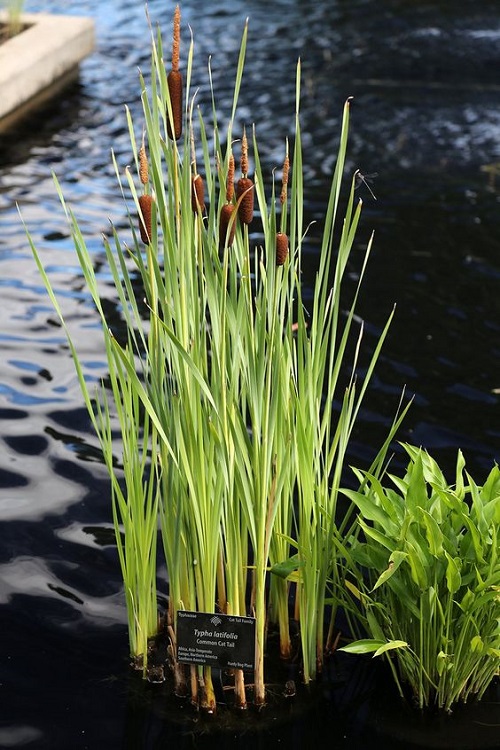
(353, 705)
(396, 724)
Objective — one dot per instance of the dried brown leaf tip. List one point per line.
(198, 194)
(174, 83)
(281, 248)
(143, 164)
(145, 217)
(245, 186)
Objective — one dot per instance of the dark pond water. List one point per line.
(426, 118)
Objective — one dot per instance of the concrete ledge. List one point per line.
(48, 51)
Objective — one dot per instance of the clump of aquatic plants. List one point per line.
(429, 578)
(229, 405)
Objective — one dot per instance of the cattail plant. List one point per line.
(143, 164)
(198, 194)
(145, 201)
(226, 388)
(175, 84)
(281, 583)
(227, 223)
(145, 217)
(197, 182)
(281, 236)
(245, 186)
(281, 248)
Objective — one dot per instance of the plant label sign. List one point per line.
(216, 639)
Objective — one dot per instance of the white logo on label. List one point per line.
(215, 620)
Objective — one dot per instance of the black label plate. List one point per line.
(224, 641)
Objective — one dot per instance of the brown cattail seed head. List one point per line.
(281, 248)
(146, 206)
(284, 180)
(225, 217)
(230, 179)
(175, 93)
(143, 165)
(198, 194)
(245, 192)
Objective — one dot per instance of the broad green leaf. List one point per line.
(476, 540)
(418, 559)
(354, 590)
(433, 534)
(373, 625)
(453, 574)
(477, 644)
(379, 536)
(492, 511)
(387, 499)
(287, 567)
(370, 510)
(389, 647)
(467, 602)
(364, 646)
(491, 488)
(432, 472)
(395, 560)
(416, 496)
(459, 475)
(442, 663)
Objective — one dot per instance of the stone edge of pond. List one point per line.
(38, 61)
